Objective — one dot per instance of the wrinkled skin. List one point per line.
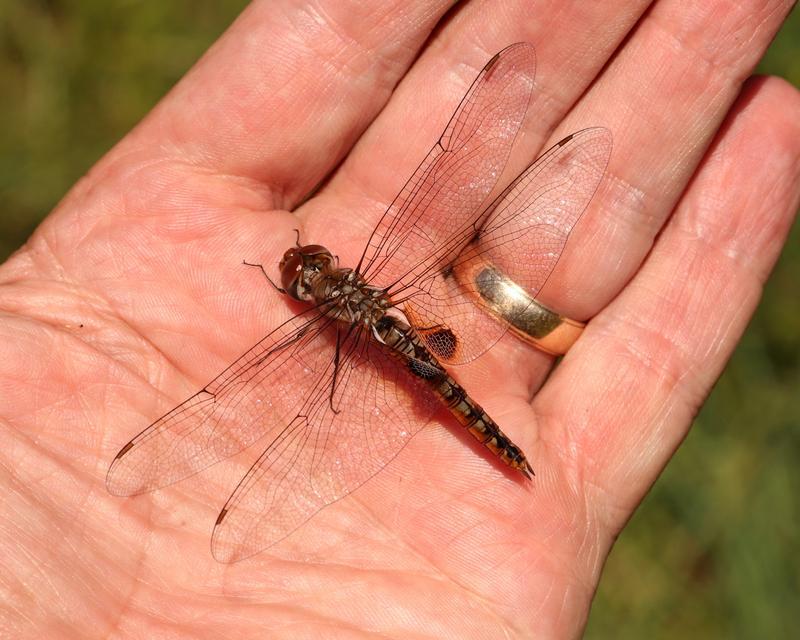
(131, 295)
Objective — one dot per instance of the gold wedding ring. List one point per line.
(533, 322)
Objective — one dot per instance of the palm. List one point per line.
(132, 295)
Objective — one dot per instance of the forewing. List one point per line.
(449, 189)
(261, 390)
(337, 442)
(524, 236)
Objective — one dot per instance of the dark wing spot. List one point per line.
(442, 342)
(124, 450)
(490, 65)
(221, 516)
(564, 141)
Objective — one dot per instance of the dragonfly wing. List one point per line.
(261, 389)
(439, 203)
(528, 229)
(523, 236)
(337, 441)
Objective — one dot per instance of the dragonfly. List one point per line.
(339, 389)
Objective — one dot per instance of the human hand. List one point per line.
(131, 296)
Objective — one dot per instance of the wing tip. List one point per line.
(225, 551)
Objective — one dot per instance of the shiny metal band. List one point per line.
(529, 319)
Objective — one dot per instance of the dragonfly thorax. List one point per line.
(310, 274)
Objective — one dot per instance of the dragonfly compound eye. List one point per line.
(291, 270)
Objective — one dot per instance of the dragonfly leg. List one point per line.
(335, 376)
(261, 266)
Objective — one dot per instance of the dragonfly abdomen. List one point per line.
(406, 346)
(472, 416)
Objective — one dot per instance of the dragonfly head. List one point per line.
(298, 267)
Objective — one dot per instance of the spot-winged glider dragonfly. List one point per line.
(340, 388)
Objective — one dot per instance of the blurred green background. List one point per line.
(714, 551)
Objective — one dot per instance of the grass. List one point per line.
(713, 552)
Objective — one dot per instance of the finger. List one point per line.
(572, 41)
(286, 90)
(623, 400)
(663, 96)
